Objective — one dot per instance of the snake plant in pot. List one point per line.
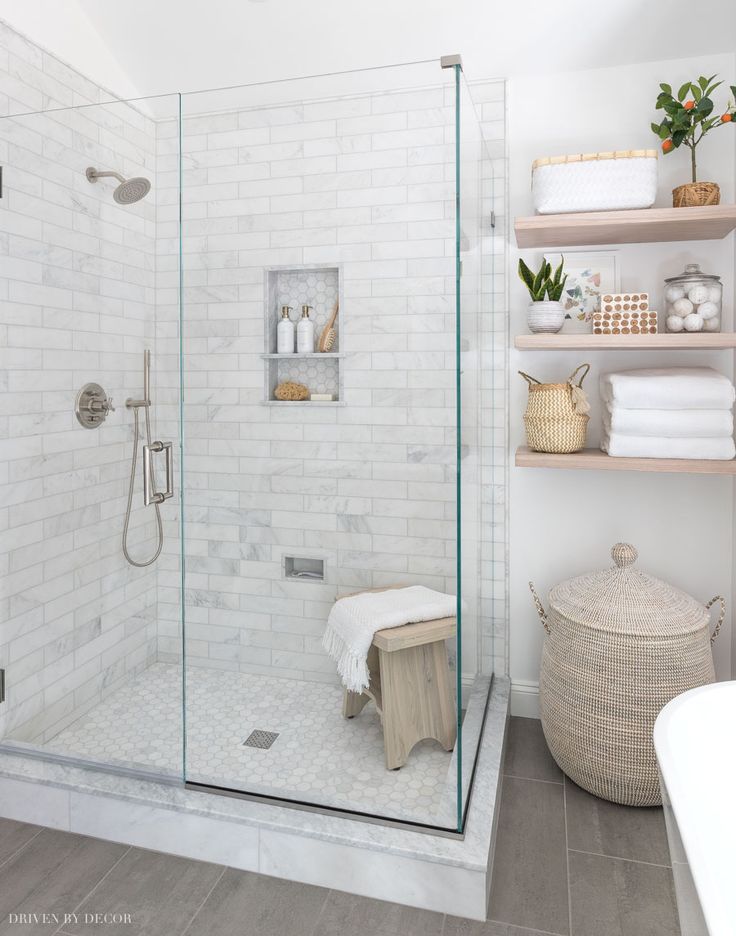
(545, 312)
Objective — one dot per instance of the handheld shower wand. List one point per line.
(148, 477)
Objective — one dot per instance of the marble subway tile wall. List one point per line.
(365, 184)
(76, 305)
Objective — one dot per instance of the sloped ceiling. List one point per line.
(188, 44)
(168, 45)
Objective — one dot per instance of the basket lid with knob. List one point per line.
(625, 599)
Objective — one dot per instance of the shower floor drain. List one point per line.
(261, 739)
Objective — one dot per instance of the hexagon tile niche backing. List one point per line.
(318, 288)
(319, 376)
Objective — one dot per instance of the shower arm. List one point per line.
(94, 174)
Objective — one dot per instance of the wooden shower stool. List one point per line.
(411, 685)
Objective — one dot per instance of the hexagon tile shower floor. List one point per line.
(318, 755)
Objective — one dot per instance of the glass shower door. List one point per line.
(314, 474)
(90, 627)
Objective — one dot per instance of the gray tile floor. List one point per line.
(566, 864)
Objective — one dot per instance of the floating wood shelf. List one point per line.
(593, 458)
(638, 226)
(663, 342)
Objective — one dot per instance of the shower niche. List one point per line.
(320, 288)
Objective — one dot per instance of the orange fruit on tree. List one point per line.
(688, 105)
(667, 146)
(726, 118)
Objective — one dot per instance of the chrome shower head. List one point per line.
(129, 191)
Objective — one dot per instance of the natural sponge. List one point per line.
(288, 390)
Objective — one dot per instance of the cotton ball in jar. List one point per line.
(673, 293)
(712, 324)
(682, 307)
(698, 294)
(714, 293)
(674, 323)
(693, 322)
(707, 310)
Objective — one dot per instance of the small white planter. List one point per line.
(545, 317)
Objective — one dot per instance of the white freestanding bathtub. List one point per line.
(695, 740)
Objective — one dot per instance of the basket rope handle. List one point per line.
(529, 379)
(721, 616)
(571, 378)
(540, 608)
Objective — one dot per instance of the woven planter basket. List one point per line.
(696, 194)
(620, 644)
(556, 417)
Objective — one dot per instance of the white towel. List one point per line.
(672, 388)
(689, 424)
(630, 446)
(354, 620)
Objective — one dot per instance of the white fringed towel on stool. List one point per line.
(354, 620)
(670, 388)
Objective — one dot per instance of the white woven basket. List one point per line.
(595, 181)
(620, 644)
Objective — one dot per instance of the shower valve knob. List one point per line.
(92, 406)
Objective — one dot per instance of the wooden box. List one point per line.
(625, 314)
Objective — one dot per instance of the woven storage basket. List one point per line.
(620, 644)
(556, 417)
(595, 181)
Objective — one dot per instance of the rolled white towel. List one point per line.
(688, 424)
(671, 388)
(628, 446)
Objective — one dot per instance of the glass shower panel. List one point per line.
(90, 639)
(474, 186)
(336, 194)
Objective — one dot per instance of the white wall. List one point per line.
(65, 30)
(563, 523)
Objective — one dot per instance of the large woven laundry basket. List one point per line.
(620, 644)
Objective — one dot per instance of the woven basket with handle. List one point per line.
(556, 417)
(620, 645)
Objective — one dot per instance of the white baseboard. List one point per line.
(524, 698)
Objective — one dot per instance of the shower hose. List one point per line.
(136, 434)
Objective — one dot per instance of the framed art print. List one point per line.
(589, 274)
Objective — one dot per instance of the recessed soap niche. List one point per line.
(319, 287)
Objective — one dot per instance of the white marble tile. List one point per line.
(386, 877)
(167, 830)
(29, 802)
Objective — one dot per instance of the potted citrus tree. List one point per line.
(688, 118)
(545, 313)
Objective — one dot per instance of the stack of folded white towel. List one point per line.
(668, 412)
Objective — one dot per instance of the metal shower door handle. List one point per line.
(150, 494)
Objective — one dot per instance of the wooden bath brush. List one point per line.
(329, 333)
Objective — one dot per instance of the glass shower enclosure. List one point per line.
(184, 501)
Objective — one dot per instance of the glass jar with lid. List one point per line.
(692, 301)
